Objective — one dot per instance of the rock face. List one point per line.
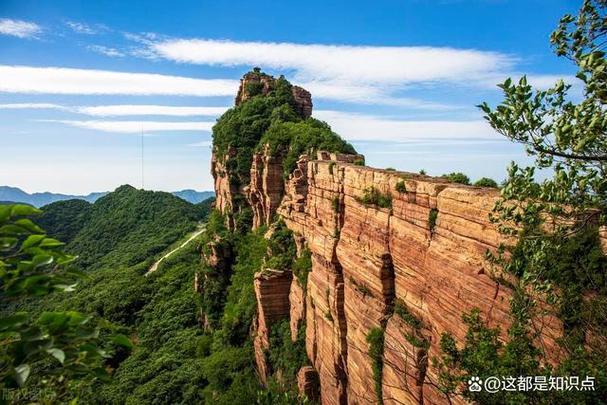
(266, 189)
(410, 268)
(424, 255)
(272, 294)
(367, 259)
(225, 192)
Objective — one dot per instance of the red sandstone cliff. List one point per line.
(366, 261)
(366, 258)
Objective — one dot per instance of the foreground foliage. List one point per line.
(557, 259)
(57, 350)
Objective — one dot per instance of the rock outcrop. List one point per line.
(257, 83)
(265, 192)
(272, 293)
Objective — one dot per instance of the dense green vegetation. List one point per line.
(292, 139)
(160, 312)
(373, 196)
(457, 177)
(486, 182)
(64, 219)
(122, 228)
(55, 349)
(556, 259)
(272, 119)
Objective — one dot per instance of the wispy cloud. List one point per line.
(116, 110)
(363, 127)
(367, 64)
(82, 28)
(125, 110)
(357, 74)
(105, 50)
(135, 127)
(19, 28)
(32, 106)
(54, 80)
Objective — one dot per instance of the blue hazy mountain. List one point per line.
(16, 195)
(194, 196)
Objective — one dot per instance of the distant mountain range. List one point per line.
(16, 195)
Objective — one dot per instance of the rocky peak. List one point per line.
(256, 82)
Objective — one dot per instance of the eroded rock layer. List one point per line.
(424, 253)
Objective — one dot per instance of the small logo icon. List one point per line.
(475, 384)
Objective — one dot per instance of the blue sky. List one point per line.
(399, 79)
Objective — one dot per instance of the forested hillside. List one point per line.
(117, 238)
(123, 228)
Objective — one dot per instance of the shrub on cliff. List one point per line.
(373, 196)
(292, 139)
(486, 182)
(457, 177)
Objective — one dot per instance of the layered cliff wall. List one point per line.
(398, 253)
(424, 254)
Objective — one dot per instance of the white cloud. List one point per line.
(122, 109)
(55, 80)
(32, 106)
(107, 51)
(352, 64)
(362, 127)
(356, 74)
(19, 28)
(81, 28)
(135, 127)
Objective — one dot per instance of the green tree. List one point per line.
(486, 182)
(457, 177)
(61, 348)
(555, 222)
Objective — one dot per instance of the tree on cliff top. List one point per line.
(555, 222)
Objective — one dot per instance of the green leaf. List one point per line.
(57, 353)
(42, 260)
(123, 341)
(29, 225)
(10, 322)
(21, 373)
(7, 243)
(50, 242)
(32, 240)
(5, 212)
